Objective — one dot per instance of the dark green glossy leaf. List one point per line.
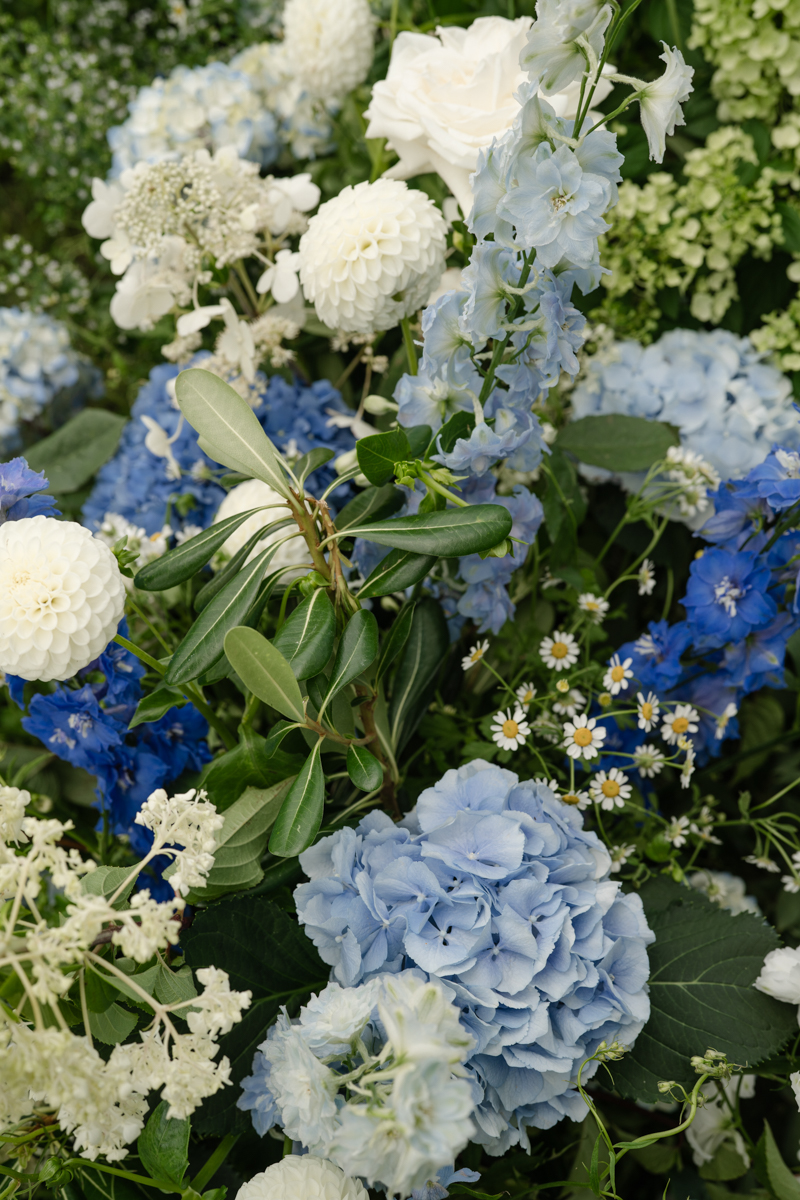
(395, 640)
(163, 1145)
(358, 648)
(790, 219)
(242, 841)
(317, 689)
(415, 677)
(223, 576)
(279, 731)
(263, 669)
(301, 813)
(204, 643)
(460, 425)
(419, 438)
(452, 533)
(187, 559)
(618, 442)
(373, 504)
(72, 455)
(364, 769)
(399, 570)
(306, 639)
(154, 706)
(250, 762)
(378, 454)
(309, 462)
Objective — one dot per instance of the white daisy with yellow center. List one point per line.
(647, 710)
(610, 789)
(648, 760)
(559, 651)
(595, 607)
(475, 655)
(510, 732)
(526, 693)
(616, 677)
(677, 724)
(646, 578)
(583, 737)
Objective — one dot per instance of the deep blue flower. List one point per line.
(726, 597)
(777, 479)
(657, 654)
(757, 660)
(737, 511)
(18, 488)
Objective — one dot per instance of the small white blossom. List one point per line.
(578, 798)
(688, 768)
(646, 578)
(610, 789)
(616, 677)
(559, 651)
(573, 701)
(509, 732)
(13, 802)
(619, 856)
(728, 713)
(647, 711)
(526, 692)
(695, 477)
(762, 861)
(678, 723)
(475, 655)
(726, 890)
(780, 975)
(648, 760)
(186, 820)
(595, 607)
(583, 737)
(660, 101)
(675, 833)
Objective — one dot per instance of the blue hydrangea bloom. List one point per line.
(726, 597)
(494, 885)
(143, 489)
(18, 488)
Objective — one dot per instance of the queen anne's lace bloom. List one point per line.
(329, 44)
(61, 598)
(302, 1175)
(372, 255)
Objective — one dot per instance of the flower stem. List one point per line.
(411, 350)
(214, 1162)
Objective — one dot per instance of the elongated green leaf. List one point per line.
(373, 504)
(364, 769)
(154, 706)
(71, 455)
(358, 648)
(460, 425)
(702, 967)
(306, 639)
(618, 442)
(301, 814)
(399, 570)
(772, 1170)
(242, 841)
(309, 462)
(163, 1145)
(223, 576)
(427, 644)
(228, 425)
(419, 437)
(204, 643)
(451, 533)
(276, 735)
(317, 689)
(263, 669)
(378, 454)
(187, 559)
(394, 641)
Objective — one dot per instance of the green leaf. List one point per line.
(306, 639)
(205, 641)
(229, 430)
(790, 219)
(308, 463)
(419, 438)
(173, 987)
(163, 1146)
(265, 952)
(317, 688)
(97, 1185)
(250, 762)
(702, 967)
(112, 1025)
(358, 648)
(772, 1170)
(104, 881)
(223, 576)
(263, 669)
(364, 769)
(428, 643)
(187, 559)
(618, 442)
(451, 533)
(395, 640)
(460, 425)
(154, 706)
(761, 719)
(241, 842)
(300, 816)
(72, 455)
(399, 570)
(378, 454)
(373, 504)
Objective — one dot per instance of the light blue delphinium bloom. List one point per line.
(436, 1189)
(486, 600)
(425, 399)
(493, 884)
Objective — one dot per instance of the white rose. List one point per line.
(446, 97)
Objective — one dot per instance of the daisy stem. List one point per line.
(501, 681)
(408, 340)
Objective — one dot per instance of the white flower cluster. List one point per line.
(329, 46)
(147, 548)
(302, 1175)
(400, 1042)
(102, 1103)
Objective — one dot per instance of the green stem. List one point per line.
(212, 1165)
(143, 1180)
(430, 482)
(141, 654)
(408, 341)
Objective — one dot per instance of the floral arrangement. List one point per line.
(399, 619)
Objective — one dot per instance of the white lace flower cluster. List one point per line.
(397, 1047)
(101, 1102)
(167, 225)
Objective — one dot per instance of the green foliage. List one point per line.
(395, 640)
(428, 642)
(378, 454)
(306, 639)
(772, 1171)
(364, 769)
(233, 936)
(105, 880)
(72, 455)
(358, 648)
(454, 532)
(263, 669)
(155, 704)
(163, 1146)
(618, 442)
(250, 763)
(185, 560)
(397, 571)
(300, 817)
(242, 841)
(373, 504)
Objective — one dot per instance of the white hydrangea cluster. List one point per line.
(102, 1102)
(254, 104)
(779, 336)
(61, 598)
(330, 46)
(372, 255)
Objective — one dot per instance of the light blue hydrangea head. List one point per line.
(493, 885)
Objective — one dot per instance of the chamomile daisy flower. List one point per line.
(646, 578)
(559, 651)
(595, 607)
(617, 676)
(475, 655)
(583, 737)
(577, 798)
(508, 732)
(647, 711)
(681, 721)
(687, 769)
(610, 789)
(572, 702)
(525, 694)
(760, 860)
(648, 760)
(619, 856)
(724, 717)
(675, 833)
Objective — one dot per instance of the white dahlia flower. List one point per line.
(372, 255)
(329, 44)
(303, 1176)
(252, 494)
(61, 598)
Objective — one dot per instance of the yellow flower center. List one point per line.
(528, 696)
(510, 729)
(647, 711)
(610, 788)
(617, 674)
(560, 650)
(476, 654)
(571, 798)
(680, 724)
(582, 736)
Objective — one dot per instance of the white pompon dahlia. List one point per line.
(61, 598)
(299, 1176)
(329, 44)
(372, 255)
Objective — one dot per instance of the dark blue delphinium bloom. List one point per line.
(656, 655)
(757, 660)
(736, 512)
(18, 488)
(777, 480)
(726, 597)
